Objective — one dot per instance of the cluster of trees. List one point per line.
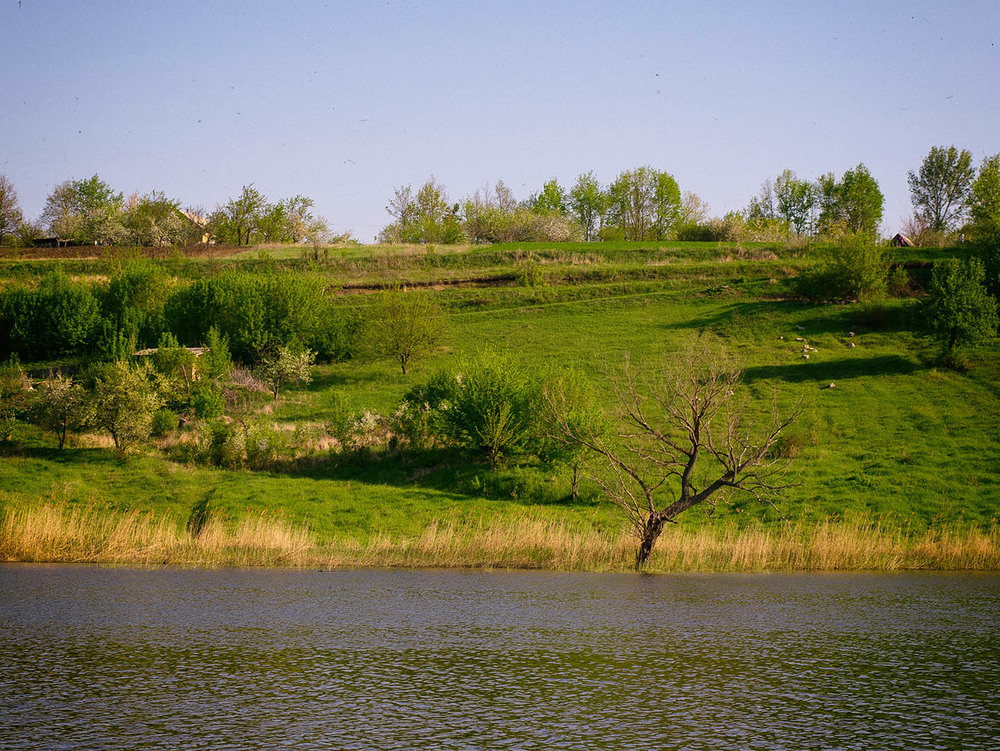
(641, 204)
(851, 205)
(88, 212)
(948, 195)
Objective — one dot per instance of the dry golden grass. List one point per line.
(79, 535)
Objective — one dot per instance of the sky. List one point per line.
(344, 101)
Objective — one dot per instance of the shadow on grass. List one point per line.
(445, 470)
(832, 370)
(795, 318)
(89, 456)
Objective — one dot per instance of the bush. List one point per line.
(207, 400)
(959, 310)
(164, 421)
(58, 319)
(491, 407)
(255, 312)
(858, 269)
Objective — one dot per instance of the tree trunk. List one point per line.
(650, 534)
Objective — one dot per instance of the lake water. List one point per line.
(188, 659)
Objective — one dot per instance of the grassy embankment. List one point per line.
(895, 467)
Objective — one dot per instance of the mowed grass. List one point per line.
(884, 438)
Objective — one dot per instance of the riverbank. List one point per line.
(74, 535)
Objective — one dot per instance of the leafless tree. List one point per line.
(684, 438)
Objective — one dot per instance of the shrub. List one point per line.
(125, 399)
(959, 310)
(164, 421)
(207, 400)
(491, 407)
(58, 319)
(857, 269)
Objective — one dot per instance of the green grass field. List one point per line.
(896, 439)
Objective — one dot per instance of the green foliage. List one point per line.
(134, 299)
(85, 212)
(529, 273)
(13, 391)
(10, 209)
(940, 190)
(255, 312)
(984, 203)
(795, 200)
(237, 222)
(59, 405)
(490, 406)
(155, 220)
(251, 444)
(856, 269)
(125, 400)
(852, 205)
(164, 421)
(56, 319)
(216, 363)
(403, 326)
(207, 400)
(176, 364)
(570, 403)
(427, 217)
(959, 310)
(643, 204)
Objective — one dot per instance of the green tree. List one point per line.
(56, 319)
(11, 217)
(285, 365)
(125, 399)
(853, 204)
(587, 204)
(134, 300)
(13, 392)
(154, 220)
(643, 204)
(427, 217)
(570, 404)
(984, 203)
(939, 191)
(255, 311)
(551, 200)
(59, 405)
(403, 325)
(959, 310)
(796, 200)
(237, 223)
(217, 363)
(176, 363)
(856, 269)
(86, 211)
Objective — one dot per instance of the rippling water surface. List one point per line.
(120, 658)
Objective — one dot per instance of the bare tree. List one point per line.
(683, 439)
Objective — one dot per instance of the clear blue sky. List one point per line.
(342, 101)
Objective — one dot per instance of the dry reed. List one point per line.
(86, 535)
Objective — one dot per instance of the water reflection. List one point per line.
(95, 658)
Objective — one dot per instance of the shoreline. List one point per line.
(49, 534)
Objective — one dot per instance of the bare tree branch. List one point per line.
(682, 440)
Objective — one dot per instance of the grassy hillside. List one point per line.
(885, 436)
